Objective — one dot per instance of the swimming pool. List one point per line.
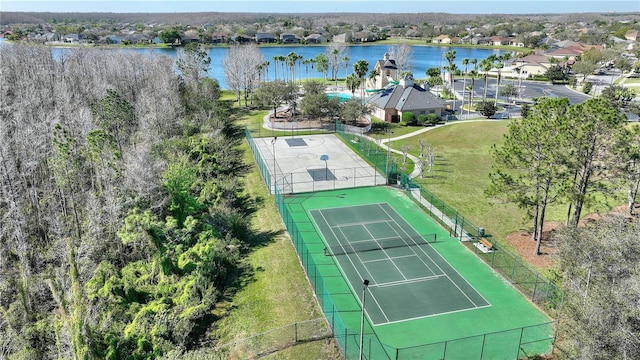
(342, 97)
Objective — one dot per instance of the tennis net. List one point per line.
(379, 244)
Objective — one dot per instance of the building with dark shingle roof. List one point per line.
(391, 102)
(386, 71)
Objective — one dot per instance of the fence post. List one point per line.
(295, 332)
(484, 339)
(520, 342)
(513, 272)
(535, 287)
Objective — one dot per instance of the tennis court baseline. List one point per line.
(408, 279)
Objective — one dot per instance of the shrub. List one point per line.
(409, 119)
(432, 119)
(422, 119)
(486, 108)
(586, 87)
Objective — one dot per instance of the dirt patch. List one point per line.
(523, 244)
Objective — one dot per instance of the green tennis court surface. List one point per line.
(425, 300)
(408, 279)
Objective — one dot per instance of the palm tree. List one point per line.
(465, 62)
(345, 60)
(360, 68)
(485, 66)
(291, 62)
(276, 58)
(282, 59)
(450, 56)
(334, 70)
(498, 64)
(474, 74)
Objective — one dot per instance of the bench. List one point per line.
(486, 243)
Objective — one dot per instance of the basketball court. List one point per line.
(304, 163)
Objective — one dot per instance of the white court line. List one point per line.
(358, 272)
(432, 315)
(410, 281)
(454, 269)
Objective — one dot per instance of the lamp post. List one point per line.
(273, 145)
(365, 283)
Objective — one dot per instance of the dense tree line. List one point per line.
(578, 154)
(121, 219)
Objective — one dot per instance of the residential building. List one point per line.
(390, 103)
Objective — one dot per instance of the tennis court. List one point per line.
(408, 279)
(428, 295)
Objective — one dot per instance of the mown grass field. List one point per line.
(461, 174)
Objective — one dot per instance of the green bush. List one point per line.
(422, 119)
(432, 119)
(409, 118)
(586, 87)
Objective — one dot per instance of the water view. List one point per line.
(424, 57)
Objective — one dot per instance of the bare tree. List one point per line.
(403, 56)
(241, 72)
(335, 53)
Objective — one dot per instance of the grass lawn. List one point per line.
(460, 175)
(275, 291)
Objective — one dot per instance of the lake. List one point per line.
(424, 57)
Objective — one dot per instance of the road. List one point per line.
(529, 90)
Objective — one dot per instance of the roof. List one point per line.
(410, 98)
(386, 64)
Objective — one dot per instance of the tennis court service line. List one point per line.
(414, 280)
(438, 266)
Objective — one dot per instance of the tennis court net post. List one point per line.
(379, 244)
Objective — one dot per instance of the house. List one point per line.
(315, 39)
(241, 39)
(190, 36)
(386, 71)
(390, 103)
(218, 38)
(441, 39)
(286, 38)
(478, 40)
(265, 38)
(570, 52)
(532, 65)
(498, 40)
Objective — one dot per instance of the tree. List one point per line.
(171, 36)
(529, 168)
(465, 62)
(485, 66)
(241, 69)
(335, 52)
(194, 63)
(116, 116)
(353, 83)
(360, 68)
(352, 110)
(619, 96)
(584, 68)
(599, 272)
(273, 94)
(555, 74)
(402, 55)
(486, 108)
(596, 131)
(629, 168)
(450, 56)
(322, 65)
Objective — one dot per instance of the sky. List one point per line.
(317, 6)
